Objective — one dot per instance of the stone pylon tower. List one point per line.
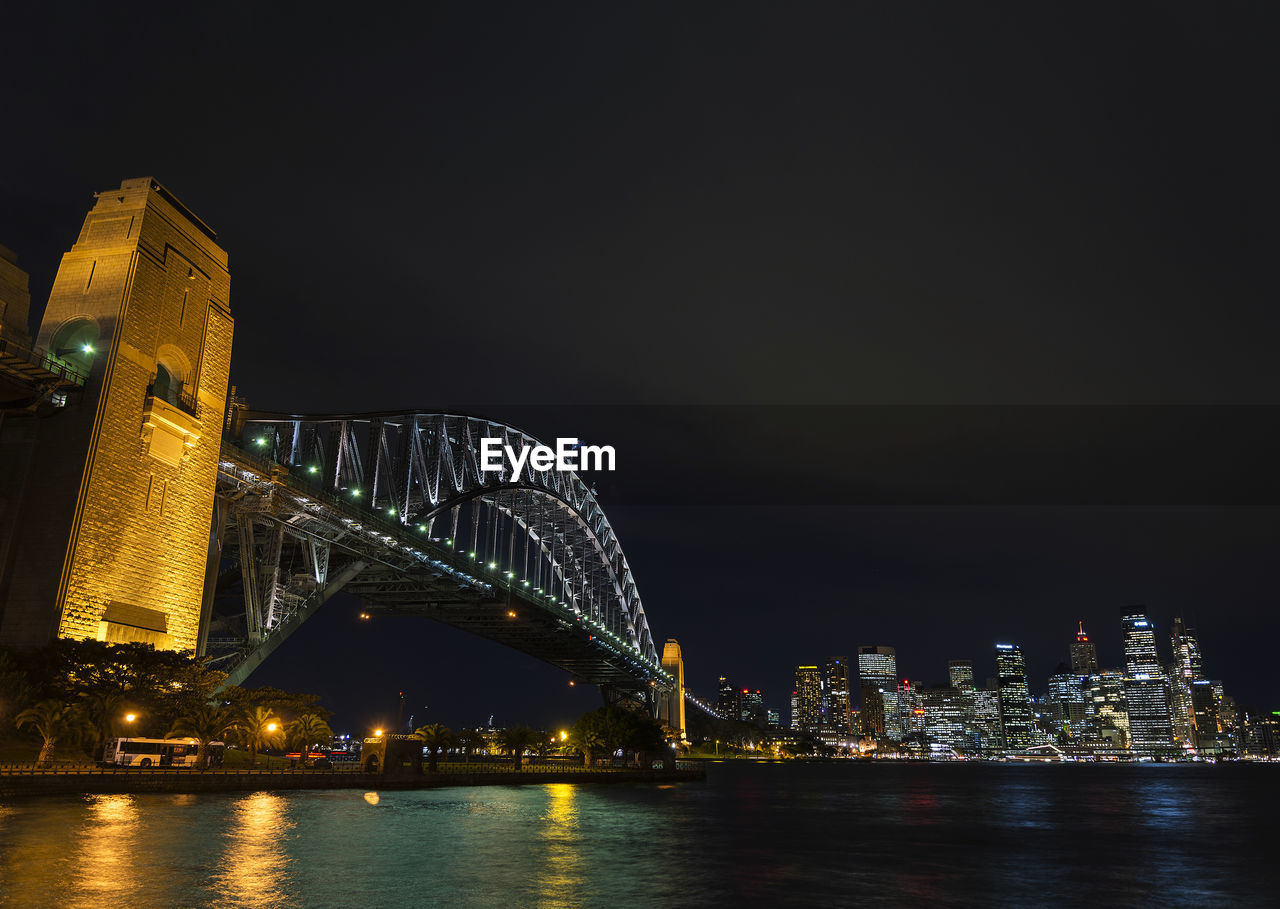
(109, 523)
(671, 708)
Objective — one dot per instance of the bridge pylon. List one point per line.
(108, 498)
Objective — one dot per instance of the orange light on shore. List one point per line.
(130, 717)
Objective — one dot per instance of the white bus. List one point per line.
(159, 752)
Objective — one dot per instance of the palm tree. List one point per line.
(259, 728)
(102, 709)
(587, 739)
(436, 737)
(52, 720)
(470, 740)
(516, 740)
(307, 730)
(205, 723)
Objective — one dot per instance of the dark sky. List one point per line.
(664, 211)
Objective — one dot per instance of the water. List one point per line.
(791, 834)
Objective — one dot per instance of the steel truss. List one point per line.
(394, 508)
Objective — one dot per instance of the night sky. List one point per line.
(921, 325)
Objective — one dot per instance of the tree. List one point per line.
(205, 723)
(307, 730)
(469, 740)
(516, 740)
(102, 711)
(259, 729)
(53, 721)
(617, 728)
(436, 738)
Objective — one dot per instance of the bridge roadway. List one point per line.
(396, 569)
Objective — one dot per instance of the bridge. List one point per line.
(142, 505)
(395, 509)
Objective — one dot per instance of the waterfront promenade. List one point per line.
(18, 781)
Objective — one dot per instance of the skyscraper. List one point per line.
(1084, 654)
(1146, 690)
(960, 672)
(1015, 698)
(728, 701)
(838, 693)
(752, 710)
(807, 713)
(1185, 670)
(878, 681)
(1139, 645)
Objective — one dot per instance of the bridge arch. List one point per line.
(539, 536)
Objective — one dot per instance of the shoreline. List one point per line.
(89, 783)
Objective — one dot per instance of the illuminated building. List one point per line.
(752, 709)
(911, 713)
(1015, 698)
(985, 725)
(1067, 701)
(1185, 670)
(837, 690)
(1146, 690)
(110, 539)
(807, 712)
(960, 673)
(1084, 654)
(878, 674)
(871, 716)
(672, 706)
(1140, 657)
(1108, 712)
(728, 700)
(948, 717)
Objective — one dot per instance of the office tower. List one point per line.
(911, 713)
(728, 700)
(878, 673)
(1146, 690)
(1140, 657)
(1204, 706)
(1084, 654)
(871, 716)
(837, 688)
(1185, 670)
(947, 713)
(808, 700)
(752, 709)
(960, 672)
(1015, 699)
(795, 710)
(1108, 712)
(1150, 729)
(986, 729)
(1066, 700)
(773, 719)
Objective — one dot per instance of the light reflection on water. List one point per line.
(104, 849)
(751, 835)
(560, 880)
(254, 867)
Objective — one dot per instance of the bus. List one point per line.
(130, 752)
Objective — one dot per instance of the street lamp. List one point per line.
(130, 717)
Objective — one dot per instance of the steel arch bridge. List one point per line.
(395, 508)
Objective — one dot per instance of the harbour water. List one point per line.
(752, 834)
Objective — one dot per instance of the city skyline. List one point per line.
(1159, 698)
